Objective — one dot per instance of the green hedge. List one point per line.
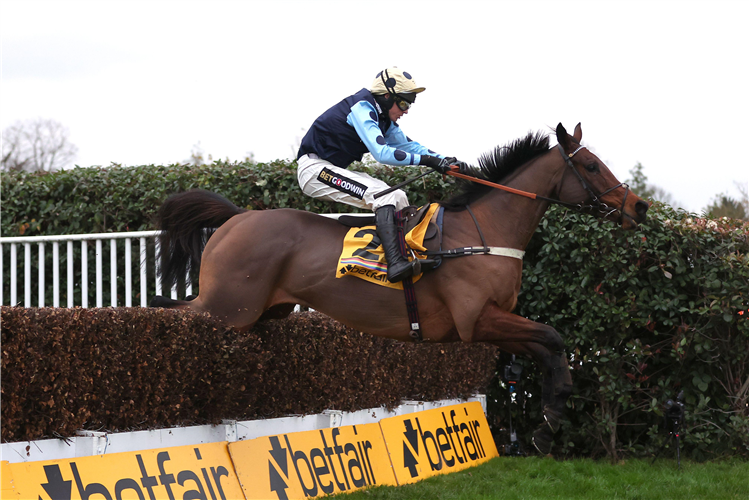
(97, 200)
(645, 314)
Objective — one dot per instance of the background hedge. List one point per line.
(644, 314)
(97, 200)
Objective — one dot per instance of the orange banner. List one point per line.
(299, 465)
(438, 441)
(200, 471)
(312, 463)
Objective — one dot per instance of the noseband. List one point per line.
(596, 205)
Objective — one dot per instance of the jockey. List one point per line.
(361, 123)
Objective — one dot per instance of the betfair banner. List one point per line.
(300, 465)
(198, 472)
(438, 441)
(312, 463)
(7, 482)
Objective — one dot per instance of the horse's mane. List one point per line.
(496, 165)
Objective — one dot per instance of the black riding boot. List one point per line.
(399, 268)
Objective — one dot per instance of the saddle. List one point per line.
(412, 217)
(362, 254)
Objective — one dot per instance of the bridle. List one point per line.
(596, 205)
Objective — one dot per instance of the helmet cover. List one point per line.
(394, 81)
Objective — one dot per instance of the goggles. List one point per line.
(403, 105)
(402, 102)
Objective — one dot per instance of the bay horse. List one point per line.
(259, 264)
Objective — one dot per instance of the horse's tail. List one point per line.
(187, 220)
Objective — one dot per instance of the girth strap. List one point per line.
(408, 286)
(463, 251)
(482, 250)
(478, 228)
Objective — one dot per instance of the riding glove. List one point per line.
(441, 165)
(463, 167)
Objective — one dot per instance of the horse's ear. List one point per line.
(563, 137)
(578, 133)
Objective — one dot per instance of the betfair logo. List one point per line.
(448, 445)
(437, 441)
(330, 466)
(204, 484)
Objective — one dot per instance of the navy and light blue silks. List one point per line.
(355, 126)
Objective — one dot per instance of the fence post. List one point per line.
(41, 274)
(143, 266)
(84, 273)
(157, 274)
(55, 274)
(128, 274)
(188, 282)
(70, 274)
(99, 278)
(27, 275)
(13, 274)
(113, 271)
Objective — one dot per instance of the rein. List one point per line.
(596, 203)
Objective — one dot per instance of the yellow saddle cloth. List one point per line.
(363, 256)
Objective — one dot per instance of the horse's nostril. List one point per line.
(641, 207)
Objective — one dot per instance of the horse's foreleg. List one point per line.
(555, 389)
(543, 344)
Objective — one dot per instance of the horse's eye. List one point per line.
(592, 167)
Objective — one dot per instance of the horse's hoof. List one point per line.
(542, 440)
(553, 418)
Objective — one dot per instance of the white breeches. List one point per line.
(321, 179)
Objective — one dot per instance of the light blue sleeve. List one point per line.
(397, 139)
(392, 149)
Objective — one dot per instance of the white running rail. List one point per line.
(98, 241)
(141, 271)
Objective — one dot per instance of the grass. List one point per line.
(546, 478)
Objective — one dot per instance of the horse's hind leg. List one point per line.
(168, 303)
(239, 318)
(517, 335)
